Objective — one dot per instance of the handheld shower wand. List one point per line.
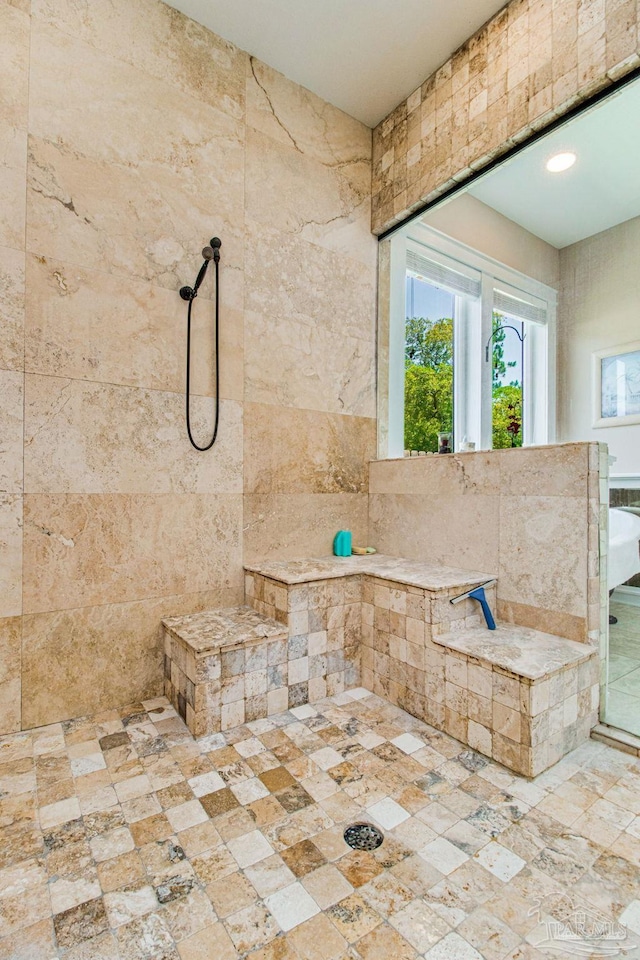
(212, 252)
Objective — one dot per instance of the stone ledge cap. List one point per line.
(228, 627)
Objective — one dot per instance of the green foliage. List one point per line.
(428, 385)
(507, 416)
(428, 343)
(428, 406)
(428, 397)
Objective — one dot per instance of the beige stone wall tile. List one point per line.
(83, 437)
(560, 470)
(103, 116)
(440, 529)
(474, 473)
(10, 645)
(326, 204)
(290, 278)
(537, 536)
(77, 320)
(297, 118)
(82, 550)
(318, 296)
(12, 405)
(547, 621)
(69, 656)
(136, 217)
(286, 526)
(201, 64)
(296, 363)
(10, 555)
(10, 706)
(142, 220)
(13, 162)
(14, 57)
(11, 309)
(303, 451)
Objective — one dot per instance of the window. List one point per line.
(470, 350)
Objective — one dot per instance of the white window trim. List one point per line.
(539, 346)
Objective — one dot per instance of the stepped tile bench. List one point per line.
(522, 697)
(313, 628)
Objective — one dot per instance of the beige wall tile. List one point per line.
(296, 363)
(13, 163)
(524, 538)
(556, 471)
(118, 659)
(304, 451)
(12, 405)
(136, 158)
(14, 57)
(10, 706)
(83, 437)
(297, 118)
(543, 559)
(10, 643)
(78, 319)
(102, 116)
(473, 473)
(290, 278)
(142, 220)
(285, 526)
(201, 64)
(11, 309)
(455, 530)
(326, 203)
(112, 548)
(540, 618)
(10, 555)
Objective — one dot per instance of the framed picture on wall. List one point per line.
(616, 385)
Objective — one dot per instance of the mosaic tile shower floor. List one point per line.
(122, 837)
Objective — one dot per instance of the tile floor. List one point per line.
(623, 707)
(122, 837)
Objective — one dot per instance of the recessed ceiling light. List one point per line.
(560, 162)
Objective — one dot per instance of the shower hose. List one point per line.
(217, 372)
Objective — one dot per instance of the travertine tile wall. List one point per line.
(529, 516)
(529, 64)
(130, 136)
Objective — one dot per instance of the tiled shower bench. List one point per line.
(217, 664)
(312, 628)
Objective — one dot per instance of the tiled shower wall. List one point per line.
(529, 516)
(529, 64)
(130, 136)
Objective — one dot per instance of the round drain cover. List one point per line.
(363, 836)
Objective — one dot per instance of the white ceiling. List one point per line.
(363, 56)
(599, 191)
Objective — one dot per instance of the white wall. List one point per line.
(472, 222)
(599, 307)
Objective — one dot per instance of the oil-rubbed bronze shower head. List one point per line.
(212, 252)
(209, 253)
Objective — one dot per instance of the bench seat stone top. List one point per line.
(227, 627)
(413, 573)
(520, 650)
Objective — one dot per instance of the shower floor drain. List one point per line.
(363, 836)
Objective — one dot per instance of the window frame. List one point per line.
(474, 379)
